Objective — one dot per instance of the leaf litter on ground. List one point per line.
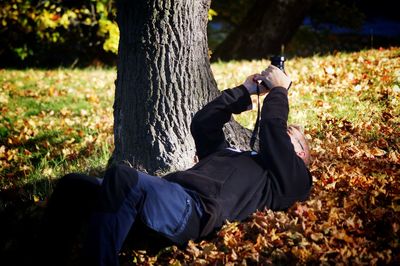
(348, 104)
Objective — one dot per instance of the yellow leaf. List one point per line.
(317, 236)
(51, 91)
(2, 151)
(92, 98)
(377, 152)
(47, 171)
(393, 157)
(343, 236)
(36, 198)
(395, 206)
(64, 111)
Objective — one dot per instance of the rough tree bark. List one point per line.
(163, 78)
(267, 26)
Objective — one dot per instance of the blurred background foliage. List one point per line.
(69, 33)
(57, 32)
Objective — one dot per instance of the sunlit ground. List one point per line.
(57, 121)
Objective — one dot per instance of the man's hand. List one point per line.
(251, 83)
(274, 77)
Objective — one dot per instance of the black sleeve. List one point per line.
(290, 178)
(207, 124)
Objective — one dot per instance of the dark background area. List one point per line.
(330, 26)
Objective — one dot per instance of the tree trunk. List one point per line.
(267, 26)
(163, 78)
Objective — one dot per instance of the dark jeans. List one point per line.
(113, 207)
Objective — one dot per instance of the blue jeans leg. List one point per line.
(163, 206)
(166, 207)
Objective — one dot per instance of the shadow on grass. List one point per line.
(21, 220)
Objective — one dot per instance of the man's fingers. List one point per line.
(262, 80)
(270, 68)
(266, 71)
(258, 77)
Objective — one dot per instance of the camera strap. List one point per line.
(257, 125)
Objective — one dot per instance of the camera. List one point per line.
(278, 61)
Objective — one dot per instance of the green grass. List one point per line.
(57, 121)
(60, 121)
(53, 122)
(316, 93)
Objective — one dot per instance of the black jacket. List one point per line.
(234, 184)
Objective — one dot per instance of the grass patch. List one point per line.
(50, 119)
(60, 121)
(54, 122)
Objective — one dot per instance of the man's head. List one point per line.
(300, 143)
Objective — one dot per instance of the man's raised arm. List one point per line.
(207, 124)
(291, 180)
